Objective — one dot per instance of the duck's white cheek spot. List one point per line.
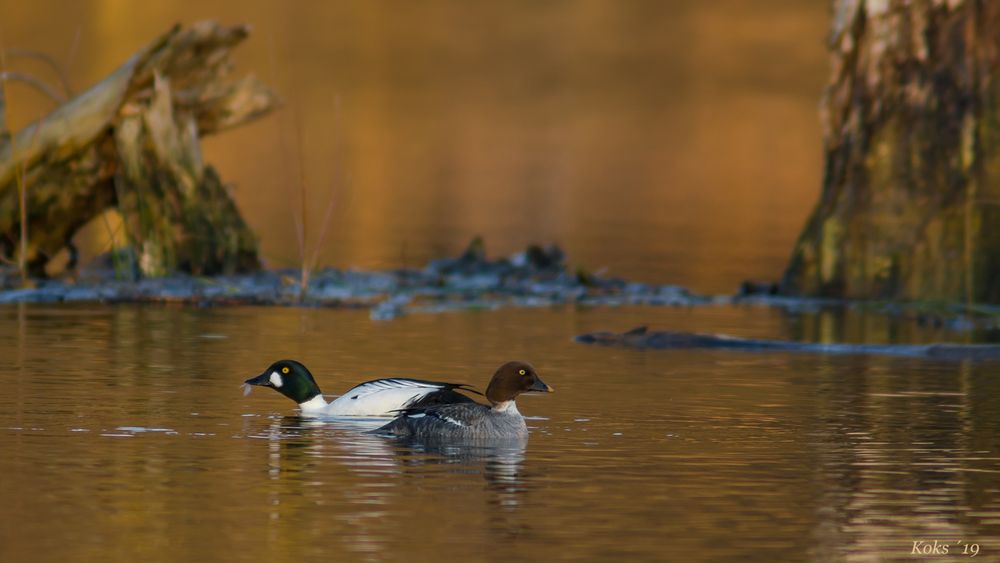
(276, 379)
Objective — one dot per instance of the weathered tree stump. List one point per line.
(132, 142)
(911, 187)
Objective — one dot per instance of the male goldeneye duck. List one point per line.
(471, 421)
(379, 397)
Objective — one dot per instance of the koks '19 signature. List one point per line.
(936, 547)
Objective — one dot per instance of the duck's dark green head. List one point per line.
(290, 378)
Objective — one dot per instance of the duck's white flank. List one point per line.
(316, 404)
(381, 397)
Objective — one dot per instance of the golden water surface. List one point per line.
(672, 141)
(125, 437)
(666, 140)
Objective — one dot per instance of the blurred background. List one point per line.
(666, 141)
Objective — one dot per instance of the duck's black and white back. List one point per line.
(390, 396)
(376, 398)
(500, 420)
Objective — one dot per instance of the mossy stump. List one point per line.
(131, 142)
(911, 185)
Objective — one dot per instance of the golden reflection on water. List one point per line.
(670, 141)
(673, 141)
(125, 436)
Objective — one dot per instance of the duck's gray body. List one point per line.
(466, 422)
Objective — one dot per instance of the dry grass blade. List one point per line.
(338, 162)
(34, 82)
(57, 68)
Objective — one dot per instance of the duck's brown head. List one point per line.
(512, 379)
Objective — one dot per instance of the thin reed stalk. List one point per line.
(52, 63)
(308, 262)
(18, 179)
(338, 164)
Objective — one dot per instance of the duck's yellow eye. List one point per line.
(521, 371)
(285, 369)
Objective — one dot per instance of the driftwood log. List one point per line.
(911, 189)
(131, 142)
(640, 337)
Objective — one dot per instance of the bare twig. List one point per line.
(47, 59)
(21, 189)
(302, 225)
(36, 83)
(298, 219)
(338, 163)
(22, 201)
(286, 156)
(22, 194)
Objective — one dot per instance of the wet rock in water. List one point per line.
(533, 262)
(120, 264)
(391, 308)
(752, 287)
(536, 277)
(548, 258)
(9, 277)
(472, 259)
(641, 337)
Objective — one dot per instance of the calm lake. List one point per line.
(673, 141)
(125, 437)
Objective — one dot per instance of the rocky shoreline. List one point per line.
(535, 277)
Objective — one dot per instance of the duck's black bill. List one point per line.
(263, 380)
(541, 387)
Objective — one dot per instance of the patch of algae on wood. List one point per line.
(912, 183)
(830, 250)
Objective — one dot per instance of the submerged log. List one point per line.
(911, 187)
(132, 142)
(670, 340)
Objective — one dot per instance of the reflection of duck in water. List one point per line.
(379, 397)
(471, 421)
(502, 462)
(298, 442)
(356, 446)
(299, 438)
(303, 449)
(508, 485)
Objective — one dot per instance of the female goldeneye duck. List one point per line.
(471, 421)
(379, 397)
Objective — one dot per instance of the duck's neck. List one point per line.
(506, 407)
(317, 403)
